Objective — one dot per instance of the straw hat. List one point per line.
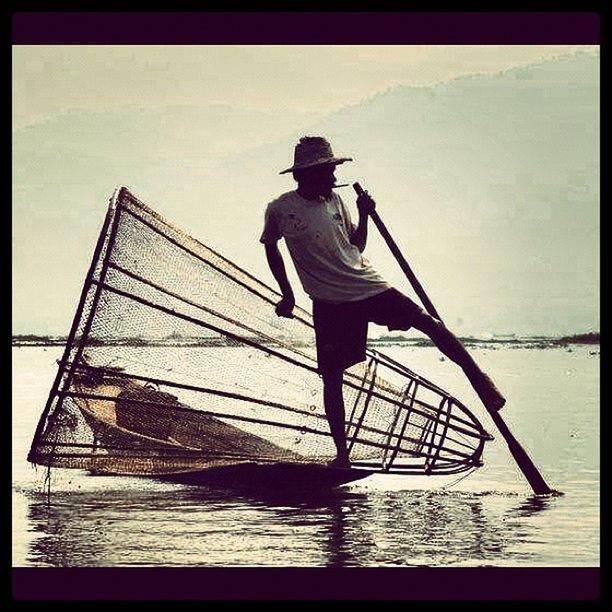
(313, 151)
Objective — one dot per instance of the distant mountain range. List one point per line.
(489, 184)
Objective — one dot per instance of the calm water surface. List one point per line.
(487, 519)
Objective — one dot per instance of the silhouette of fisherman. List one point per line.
(346, 290)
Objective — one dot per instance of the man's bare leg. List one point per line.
(334, 410)
(446, 341)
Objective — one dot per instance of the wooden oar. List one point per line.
(526, 465)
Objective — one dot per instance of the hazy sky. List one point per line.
(65, 169)
(47, 80)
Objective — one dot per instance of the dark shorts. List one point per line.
(342, 329)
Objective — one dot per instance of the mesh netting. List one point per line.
(177, 362)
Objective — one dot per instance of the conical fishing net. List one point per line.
(176, 361)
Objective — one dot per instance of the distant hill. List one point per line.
(590, 338)
(384, 339)
(489, 184)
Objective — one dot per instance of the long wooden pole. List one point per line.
(526, 465)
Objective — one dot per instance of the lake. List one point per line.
(488, 519)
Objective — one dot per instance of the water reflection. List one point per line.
(532, 505)
(338, 516)
(207, 527)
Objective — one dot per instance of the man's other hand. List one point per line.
(285, 307)
(365, 203)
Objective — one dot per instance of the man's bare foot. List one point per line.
(497, 403)
(340, 462)
(489, 394)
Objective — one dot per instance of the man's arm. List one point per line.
(365, 205)
(277, 266)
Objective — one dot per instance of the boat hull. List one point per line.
(281, 476)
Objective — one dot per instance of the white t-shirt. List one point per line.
(317, 234)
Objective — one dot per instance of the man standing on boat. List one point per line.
(347, 292)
